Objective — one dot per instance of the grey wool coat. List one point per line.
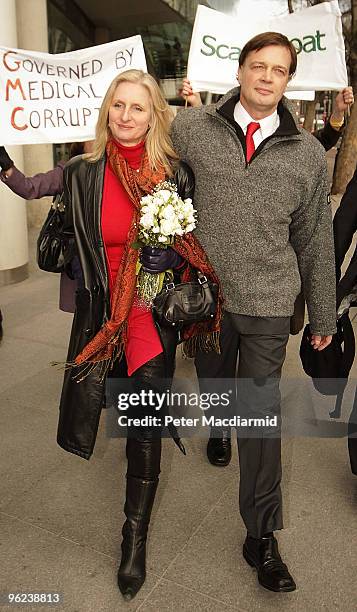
(266, 226)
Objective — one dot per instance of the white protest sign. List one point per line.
(48, 98)
(300, 95)
(316, 32)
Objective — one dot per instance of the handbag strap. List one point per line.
(202, 279)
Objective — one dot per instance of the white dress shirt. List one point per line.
(268, 125)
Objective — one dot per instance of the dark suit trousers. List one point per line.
(254, 348)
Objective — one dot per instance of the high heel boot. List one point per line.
(140, 495)
(142, 480)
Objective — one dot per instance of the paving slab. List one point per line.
(316, 545)
(40, 561)
(168, 596)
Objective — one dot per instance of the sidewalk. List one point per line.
(61, 516)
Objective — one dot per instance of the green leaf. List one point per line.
(137, 245)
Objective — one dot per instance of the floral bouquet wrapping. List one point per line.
(164, 215)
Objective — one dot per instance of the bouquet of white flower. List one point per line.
(164, 215)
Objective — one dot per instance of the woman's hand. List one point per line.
(193, 98)
(156, 260)
(5, 162)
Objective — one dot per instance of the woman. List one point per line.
(111, 331)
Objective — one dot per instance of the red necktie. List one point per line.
(251, 129)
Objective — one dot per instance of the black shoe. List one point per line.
(140, 495)
(219, 450)
(263, 554)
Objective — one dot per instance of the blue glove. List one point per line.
(156, 260)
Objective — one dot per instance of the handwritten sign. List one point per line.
(48, 98)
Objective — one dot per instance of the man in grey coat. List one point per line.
(264, 219)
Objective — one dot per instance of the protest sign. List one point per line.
(48, 98)
(316, 33)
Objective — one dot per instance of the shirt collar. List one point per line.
(268, 125)
(225, 108)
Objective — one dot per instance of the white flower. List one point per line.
(167, 227)
(162, 239)
(147, 221)
(165, 194)
(145, 199)
(188, 209)
(168, 212)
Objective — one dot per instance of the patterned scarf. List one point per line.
(108, 344)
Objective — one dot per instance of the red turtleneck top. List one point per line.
(143, 341)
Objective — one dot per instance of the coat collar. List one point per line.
(225, 108)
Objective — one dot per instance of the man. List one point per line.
(219, 450)
(265, 223)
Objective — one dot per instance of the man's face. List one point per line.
(263, 79)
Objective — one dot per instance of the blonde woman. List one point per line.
(112, 332)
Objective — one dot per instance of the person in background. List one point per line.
(265, 222)
(38, 186)
(30, 187)
(219, 449)
(344, 229)
(42, 184)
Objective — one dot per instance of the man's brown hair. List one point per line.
(264, 40)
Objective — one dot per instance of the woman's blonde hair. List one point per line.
(157, 142)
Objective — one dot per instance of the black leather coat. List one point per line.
(344, 228)
(81, 402)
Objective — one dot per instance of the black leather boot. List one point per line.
(140, 495)
(219, 450)
(263, 554)
(143, 451)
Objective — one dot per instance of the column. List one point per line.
(32, 33)
(13, 226)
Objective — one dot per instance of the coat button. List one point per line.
(88, 332)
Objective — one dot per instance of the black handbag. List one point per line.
(186, 303)
(55, 248)
(330, 368)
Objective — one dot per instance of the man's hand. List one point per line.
(343, 101)
(187, 93)
(5, 162)
(320, 342)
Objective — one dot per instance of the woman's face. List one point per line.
(129, 113)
